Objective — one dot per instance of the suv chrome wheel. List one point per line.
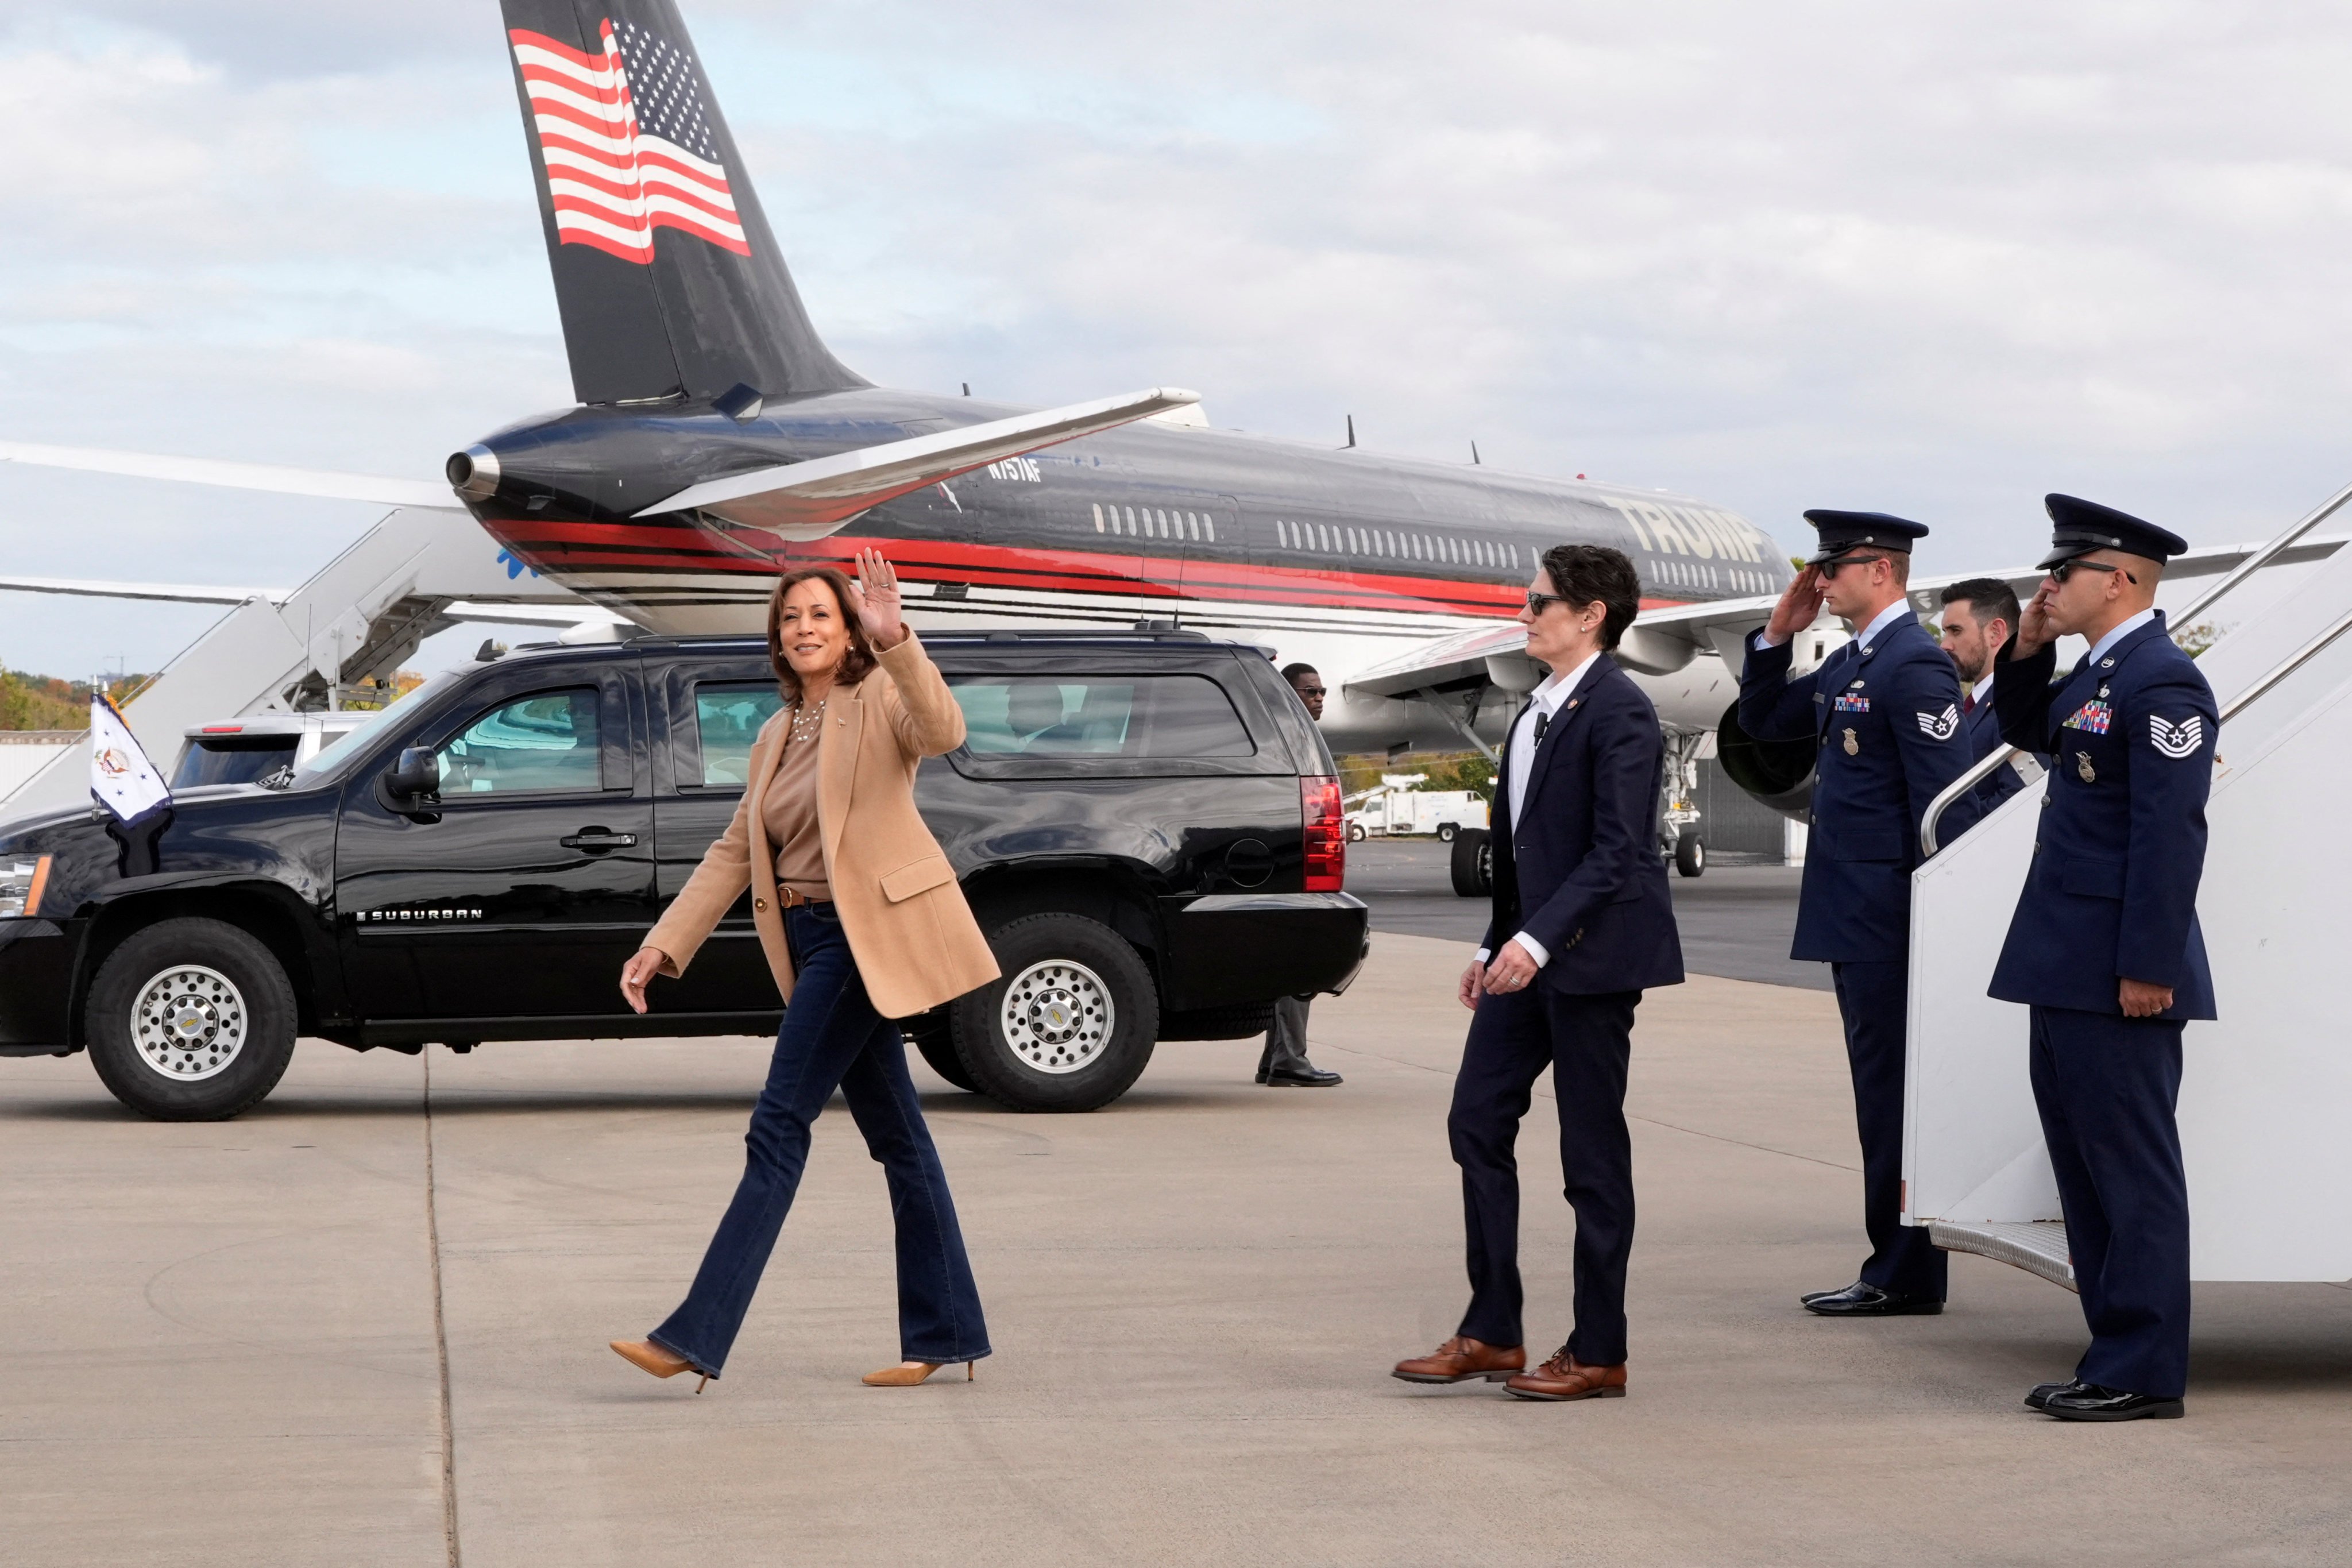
(188, 1023)
(1058, 1016)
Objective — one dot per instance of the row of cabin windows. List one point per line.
(1722, 579)
(1156, 522)
(1332, 539)
(1335, 539)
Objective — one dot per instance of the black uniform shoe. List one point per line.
(2094, 1402)
(1302, 1076)
(1862, 1299)
(2042, 1391)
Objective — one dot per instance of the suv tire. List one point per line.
(191, 1020)
(1070, 1022)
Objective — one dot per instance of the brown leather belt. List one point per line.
(787, 898)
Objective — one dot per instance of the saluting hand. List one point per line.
(1799, 606)
(876, 594)
(2033, 629)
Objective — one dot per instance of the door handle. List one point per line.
(594, 839)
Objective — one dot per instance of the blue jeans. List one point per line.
(831, 1036)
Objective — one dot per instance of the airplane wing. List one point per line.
(808, 500)
(171, 592)
(487, 611)
(317, 482)
(1661, 641)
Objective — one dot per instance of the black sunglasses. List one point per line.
(2065, 569)
(1538, 602)
(1829, 569)
(1309, 691)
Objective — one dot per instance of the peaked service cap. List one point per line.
(1844, 532)
(2082, 526)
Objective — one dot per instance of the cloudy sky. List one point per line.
(1934, 258)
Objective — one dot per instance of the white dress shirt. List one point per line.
(1519, 753)
(1981, 692)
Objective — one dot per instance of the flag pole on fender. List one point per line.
(127, 787)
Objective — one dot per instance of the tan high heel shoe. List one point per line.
(647, 1356)
(908, 1373)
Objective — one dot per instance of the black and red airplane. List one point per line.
(718, 440)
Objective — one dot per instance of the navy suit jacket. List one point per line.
(1984, 739)
(2112, 894)
(1886, 722)
(1579, 869)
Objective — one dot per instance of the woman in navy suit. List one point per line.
(1582, 925)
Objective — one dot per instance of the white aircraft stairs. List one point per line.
(2266, 1090)
(413, 573)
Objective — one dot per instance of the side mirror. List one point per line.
(418, 772)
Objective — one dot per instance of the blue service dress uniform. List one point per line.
(2112, 895)
(1887, 720)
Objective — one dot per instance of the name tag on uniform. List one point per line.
(1852, 702)
(2093, 717)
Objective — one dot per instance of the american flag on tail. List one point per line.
(627, 142)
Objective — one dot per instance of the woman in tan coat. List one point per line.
(862, 921)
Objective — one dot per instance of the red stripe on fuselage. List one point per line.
(554, 545)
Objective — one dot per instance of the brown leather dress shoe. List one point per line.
(1565, 1377)
(1462, 1359)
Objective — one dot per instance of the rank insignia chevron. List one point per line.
(2177, 741)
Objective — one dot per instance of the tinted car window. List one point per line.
(548, 740)
(1098, 716)
(727, 719)
(233, 759)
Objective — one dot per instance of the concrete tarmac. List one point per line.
(365, 1324)
(1735, 919)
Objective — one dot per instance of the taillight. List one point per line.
(1327, 834)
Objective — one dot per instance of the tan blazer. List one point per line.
(909, 930)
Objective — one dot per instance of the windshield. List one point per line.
(331, 760)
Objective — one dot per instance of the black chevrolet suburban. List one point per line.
(1147, 824)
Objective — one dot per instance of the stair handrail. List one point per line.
(1984, 765)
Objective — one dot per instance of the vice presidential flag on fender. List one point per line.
(137, 801)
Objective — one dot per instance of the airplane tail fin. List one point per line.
(667, 276)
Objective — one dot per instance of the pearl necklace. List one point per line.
(807, 724)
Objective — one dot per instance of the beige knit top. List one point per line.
(788, 813)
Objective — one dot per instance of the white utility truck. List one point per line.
(1395, 807)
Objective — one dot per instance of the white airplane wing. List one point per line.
(808, 500)
(1663, 640)
(430, 494)
(177, 593)
(578, 617)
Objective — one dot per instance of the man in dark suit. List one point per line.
(2104, 946)
(1283, 1064)
(1884, 711)
(1979, 618)
(1582, 923)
